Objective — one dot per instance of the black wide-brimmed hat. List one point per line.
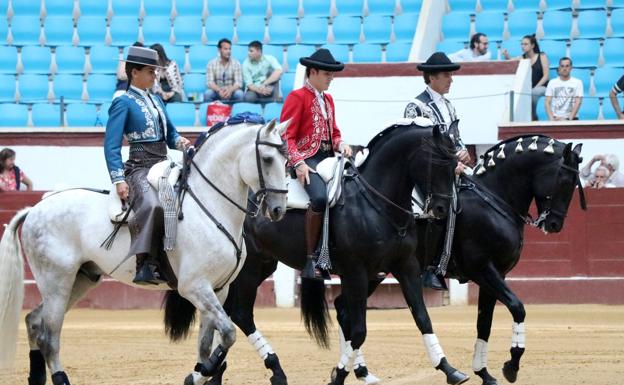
(322, 60)
(438, 62)
(142, 55)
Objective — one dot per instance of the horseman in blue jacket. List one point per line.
(142, 119)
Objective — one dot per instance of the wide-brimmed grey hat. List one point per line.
(142, 55)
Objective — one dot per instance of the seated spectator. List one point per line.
(122, 78)
(617, 88)
(169, 84)
(11, 177)
(224, 77)
(261, 74)
(478, 50)
(564, 93)
(539, 76)
(601, 176)
(608, 161)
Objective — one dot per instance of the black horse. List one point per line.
(372, 230)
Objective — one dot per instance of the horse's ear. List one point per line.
(577, 149)
(270, 126)
(567, 151)
(281, 128)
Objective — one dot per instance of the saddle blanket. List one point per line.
(330, 170)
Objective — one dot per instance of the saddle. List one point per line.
(331, 171)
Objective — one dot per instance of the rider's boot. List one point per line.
(147, 271)
(432, 279)
(313, 225)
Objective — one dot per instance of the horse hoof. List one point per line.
(338, 376)
(510, 371)
(189, 380)
(456, 378)
(60, 378)
(275, 380)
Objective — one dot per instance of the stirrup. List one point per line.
(148, 274)
(310, 271)
(433, 281)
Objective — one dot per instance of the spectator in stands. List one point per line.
(617, 88)
(169, 84)
(224, 77)
(601, 176)
(478, 50)
(11, 177)
(564, 93)
(608, 161)
(261, 74)
(122, 79)
(539, 76)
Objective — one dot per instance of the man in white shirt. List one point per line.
(564, 93)
(478, 50)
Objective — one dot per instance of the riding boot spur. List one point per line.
(313, 224)
(147, 270)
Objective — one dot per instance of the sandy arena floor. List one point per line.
(565, 345)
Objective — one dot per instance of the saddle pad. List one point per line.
(330, 170)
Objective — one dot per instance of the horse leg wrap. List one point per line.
(37, 374)
(214, 362)
(60, 378)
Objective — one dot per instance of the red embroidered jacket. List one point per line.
(307, 124)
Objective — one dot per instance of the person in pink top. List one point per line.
(11, 177)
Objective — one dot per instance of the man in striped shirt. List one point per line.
(617, 88)
(224, 78)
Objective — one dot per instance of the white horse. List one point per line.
(62, 234)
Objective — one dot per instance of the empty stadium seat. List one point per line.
(366, 53)
(313, 30)
(381, 7)
(558, 4)
(189, 8)
(104, 59)
(8, 64)
(377, 29)
(494, 5)
(617, 22)
(59, 30)
(222, 8)
(613, 53)
(36, 59)
(175, 52)
(272, 111)
(188, 30)
(203, 107)
(59, 8)
(521, 23)
(25, 29)
(554, 49)
(340, 52)
(455, 26)
(584, 53)
(33, 87)
(349, 7)
(4, 31)
(200, 55)
(218, 27)
(81, 115)
(13, 115)
(605, 78)
(91, 30)
(102, 114)
(449, 46)
(126, 8)
(46, 115)
(250, 28)
(70, 59)
(160, 8)
(541, 109)
(27, 8)
(95, 8)
(590, 107)
(240, 52)
(195, 84)
(464, 6)
(101, 87)
(490, 23)
(592, 24)
(287, 83)
(557, 25)
(253, 7)
(277, 51)
(607, 109)
(316, 8)
(69, 87)
(584, 75)
(295, 52)
(181, 114)
(124, 30)
(282, 30)
(7, 91)
(287, 8)
(237, 108)
(156, 29)
(405, 27)
(347, 29)
(411, 6)
(398, 52)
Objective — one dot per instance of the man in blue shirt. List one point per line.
(261, 74)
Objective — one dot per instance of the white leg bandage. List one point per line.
(343, 342)
(434, 350)
(358, 360)
(517, 335)
(261, 345)
(346, 358)
(479, 359)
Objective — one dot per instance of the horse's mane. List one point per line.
(374, 142)
(515, 139)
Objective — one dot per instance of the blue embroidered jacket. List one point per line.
(130, 116)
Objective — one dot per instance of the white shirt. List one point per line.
(321, 99)
(438, 100)
(467, 54)
(563, 93)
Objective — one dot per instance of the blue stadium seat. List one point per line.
(286, 8)
(540, 109)
(102, 114)
(95, 8)
(126, 8)
(4, 30)
(70, 59)
(607, 109)
(398, 52)
(455, 26)
(381, 7)
(9, 59)
(494, 5)
(617, 22)
(277, 51)
(593, 4)
(592, 24)
(218, 27)
(272, 111)
(13, 115)
(287, 83)
(200, 55)
(240, 52)
(157, 8)
(558, 4)
(189, 8)
(491, 24)
(464, 6)
(349, 7)
(59, 30)
(605, 78)
(313, 30)
(513, 47)
(411, 6)
(36, 59)
(295, 52)
(27, 8)
(156, 29)
(104, 59)
(25, 30)
(366, 53)
(59, 8)
(181, 114)
(250, 28)
(91, 30)
(590, 106)
(101, 87)
(237, 108)
(46, 115)
(521, 23)
(554, 49)
(584, 53)
(7, 91)
(253, 7)
(188, 30)
(81, 115)
(316, 8)
(222, 8)
(202, 114)
(405, 27)
(282, 30)
(557, 25)
(613, 54)
(124, 30)
(584, 75)
(195, 84)
(175, 52)
(340, 52)
(377, 29)
(450, 46)
(69, 87)
(33, 87)
(347, 29)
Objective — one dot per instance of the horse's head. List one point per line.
(554, 188)
(264, 170)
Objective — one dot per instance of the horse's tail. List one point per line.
(179, 315)
(11, 288)
(314, 310)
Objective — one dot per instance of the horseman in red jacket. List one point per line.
(312, 136)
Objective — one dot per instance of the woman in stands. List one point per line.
(11, 177)
(539, 67)
(169, 85)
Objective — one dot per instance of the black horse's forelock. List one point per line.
(444, 149)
